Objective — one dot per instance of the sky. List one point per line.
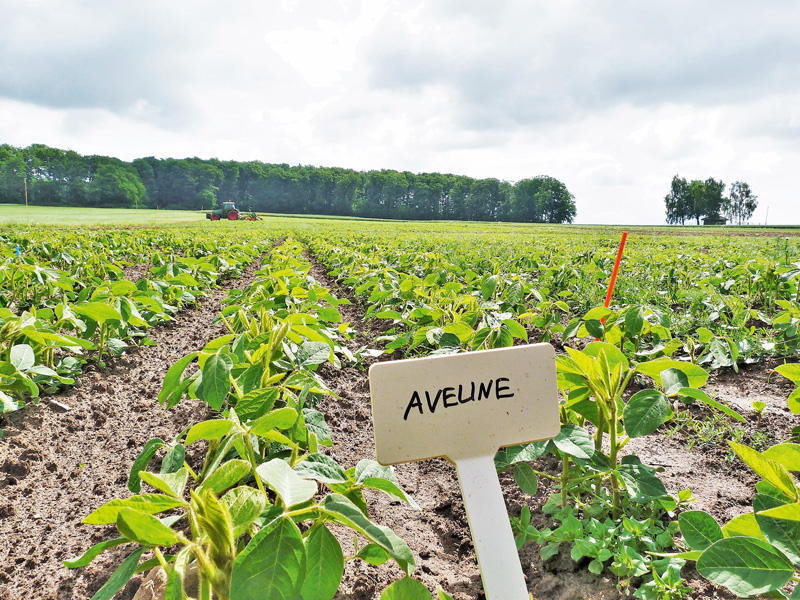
(612, 98)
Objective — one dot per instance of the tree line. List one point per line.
(699, 199)
(65, 178)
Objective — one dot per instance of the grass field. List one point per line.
(72, 216)
(120, 217)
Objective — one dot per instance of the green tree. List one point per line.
(678, 202)
(12, 175)
(116, 185)
(740, 203)
(542, 199)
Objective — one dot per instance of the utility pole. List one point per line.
(767, 217)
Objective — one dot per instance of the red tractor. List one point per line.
(228, 211)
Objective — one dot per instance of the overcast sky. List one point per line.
(612, 98)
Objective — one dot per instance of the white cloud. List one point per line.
(611, 98)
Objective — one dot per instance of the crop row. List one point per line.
(671, 319)
(263, 497)
(59, 314)
(716, 306)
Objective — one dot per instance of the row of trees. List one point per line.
(65, 178)
(699, 199)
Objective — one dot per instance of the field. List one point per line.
(194, 395)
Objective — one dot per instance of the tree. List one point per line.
(678, 201)
(12, 174)
(542, 199)
(694, 200)
(116, 185)
(740, 203)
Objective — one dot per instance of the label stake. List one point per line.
(464, 407)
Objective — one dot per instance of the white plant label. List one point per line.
(465, 407)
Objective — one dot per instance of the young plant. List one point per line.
(758, 552)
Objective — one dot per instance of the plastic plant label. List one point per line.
(465, 407)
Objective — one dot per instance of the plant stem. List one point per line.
(612, 457)
(251, 453)
(161, 560)
(564, 479)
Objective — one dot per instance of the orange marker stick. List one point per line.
(616, 269)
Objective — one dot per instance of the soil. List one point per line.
(56, 466)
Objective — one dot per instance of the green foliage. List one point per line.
(258, 510)
(758, 552)
(63, 178)
(626, 547)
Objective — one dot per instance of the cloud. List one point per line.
(540, 62)
(131, 59)
(611, 98)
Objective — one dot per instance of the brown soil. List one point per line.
(56, 467)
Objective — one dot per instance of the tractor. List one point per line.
(228, 211)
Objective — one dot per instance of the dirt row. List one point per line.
(56, 465)
(439, 533)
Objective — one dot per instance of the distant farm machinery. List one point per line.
(230, 212)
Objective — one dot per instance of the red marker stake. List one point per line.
(614, 274)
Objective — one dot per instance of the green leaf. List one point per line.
(697, 375)
(342, 510)
(312, 353)
(97, 311)
(640, 480)
(22, 357)
(515, 329)
(645, 412)
(699, 529)
(282, 418)
(330, 314)
(93, 552)
(781, 527)
(245, 504)
(140, 464)
(272, 565)
(390, 487)
(634, 320)
(226, 475)
(790, 371)
(216, 381)
(769, 470)
(144, 529)
(488, 286)
(574, 441)
(406, 589)
(322, 468)
(519, 453)
(746, 566)
(324, 565)
(373, 554)
(120, 577)
(256, 403)
(613, 354)
(743, 525)
(291, 488)
(526, 478)
(213, 429)
(172, 484)
(174, 459)
(147, 503)
(705, 399)
(674, 380)
(787, 454)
